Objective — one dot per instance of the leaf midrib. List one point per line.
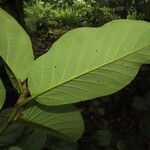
(130, 53)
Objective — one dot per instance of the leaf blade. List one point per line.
(65, 119)
(83, 64)
(16, 47)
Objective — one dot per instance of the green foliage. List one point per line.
(50, 15)
(44, 15)
(65, 119)
(83, 64)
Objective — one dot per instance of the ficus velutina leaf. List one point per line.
(15, 46)
(86, 63)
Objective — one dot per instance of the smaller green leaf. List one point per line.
(65, 120)
(103, 137)
(11, 134)
(2, 94)
(32, 140)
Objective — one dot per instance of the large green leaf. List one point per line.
(87, 63)
(15, 46)
(65, 120)
(2, 94)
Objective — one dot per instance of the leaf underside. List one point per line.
(2, 94)
(86, 63)
(15, 46)
(65, 120)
